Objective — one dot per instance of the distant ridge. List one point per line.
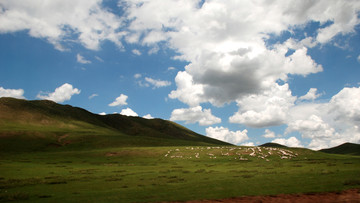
(271, 144)
(43, 124)
(346, 148)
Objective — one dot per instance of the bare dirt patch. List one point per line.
(347, 196)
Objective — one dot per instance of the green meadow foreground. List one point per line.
(157, 174)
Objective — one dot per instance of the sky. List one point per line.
(246, 72)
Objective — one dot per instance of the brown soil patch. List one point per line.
(347, 196)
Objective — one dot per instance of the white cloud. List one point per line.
(290, 142)
(15, 93)
(330, 123)
(148, 116)
(171, 68)
(358, 58)
(230, 60)
(102, 113)
(344, 17)
(120, 100)
(345, 105)
(267, 109)
(93, 95)
(128, 112)
(269, 134)
(195, 114)
(228, 57)
(61, 94)
(225, 45)
(310, 95)
(137, 76)
(81, 59)
(157, 83)
(136, 52)
(187, 92)
(247, 144)
(57, 21)
(312, 127)
(226, 135)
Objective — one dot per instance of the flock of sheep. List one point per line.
(237, 153)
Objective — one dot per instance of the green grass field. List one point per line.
(157, 174)
(58, 153)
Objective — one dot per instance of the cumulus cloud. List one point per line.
(345, 105)
(148, 116)
(267, 109)
(227, 135)
(290, 142)
(61, 94)
(81, 59)
(15, 93)
(120, 100)
(269, 134)
(310, 95)
(313, 127)
(227, 61)
(58, 21)
(187, 92)
(225, 44)
(247, 144)
(230, 60)
(330, 123)
(195, 115)
(128, 112)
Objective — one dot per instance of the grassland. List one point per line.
(59, 153)
(156, 174)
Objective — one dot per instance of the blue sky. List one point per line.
(240, 71)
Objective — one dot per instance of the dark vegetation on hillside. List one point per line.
(346, 148)
(42, 124)
(271, 144)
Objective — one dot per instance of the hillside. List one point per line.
(42, 124)
(346, 148)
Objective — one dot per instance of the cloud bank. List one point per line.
(195, 114)
(229, 54)
(15, 93)
(226, 135)
(60, 21)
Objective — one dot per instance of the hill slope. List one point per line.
(272, 144)
(41, 124)
(346, 148)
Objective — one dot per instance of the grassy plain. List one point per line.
(156, 174)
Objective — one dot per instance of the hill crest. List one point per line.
(273, 144)
(346, 148)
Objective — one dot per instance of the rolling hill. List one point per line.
(271, 144)
(346, 148)
(42, 125)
